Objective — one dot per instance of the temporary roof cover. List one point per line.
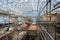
(22, 7)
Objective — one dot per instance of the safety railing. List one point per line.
(47, 31)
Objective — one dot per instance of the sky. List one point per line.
(24, 7)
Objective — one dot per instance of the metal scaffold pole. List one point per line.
(38, 20)
(50, 8)
(47, 8)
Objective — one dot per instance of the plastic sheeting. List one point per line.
(22, 7)
(4, 19)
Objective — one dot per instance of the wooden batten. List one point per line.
(5, 13)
